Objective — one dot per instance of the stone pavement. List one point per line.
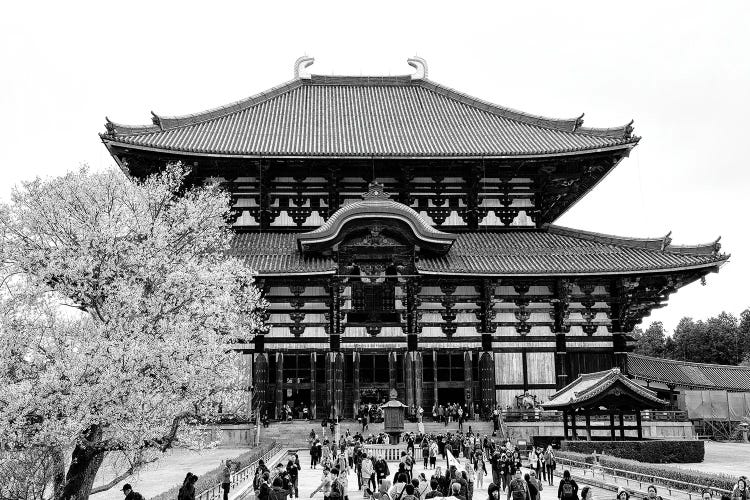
(309, 479)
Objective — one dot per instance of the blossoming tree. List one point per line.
(120, 305)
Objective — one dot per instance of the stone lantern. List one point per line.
(393, 417)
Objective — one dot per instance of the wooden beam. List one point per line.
(622, 425)
(612, 424)
(639, 425)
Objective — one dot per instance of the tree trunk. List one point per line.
(84, 465)
(58, 472)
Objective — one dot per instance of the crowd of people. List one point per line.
(454, 465)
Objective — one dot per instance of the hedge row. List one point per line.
(663, 451)
(646, 472)
(213, 477)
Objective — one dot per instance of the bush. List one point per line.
(213, 477)
(650, 472)
(653, 451)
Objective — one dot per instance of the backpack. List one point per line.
(567, 490)
(518, 490)
(337, 491)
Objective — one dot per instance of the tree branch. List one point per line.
(136, 465)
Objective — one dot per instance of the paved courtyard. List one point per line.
(723, 458)
(165, 473)
(310, 479)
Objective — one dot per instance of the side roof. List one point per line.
(688, 374)
(554, 250)
(369, 116)
(590, 385)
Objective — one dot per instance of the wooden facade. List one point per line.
(403, 236)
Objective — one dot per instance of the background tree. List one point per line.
(652, 341)
(146, 361)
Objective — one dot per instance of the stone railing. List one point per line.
(390, 452)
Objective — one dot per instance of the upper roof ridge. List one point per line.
(419, 79)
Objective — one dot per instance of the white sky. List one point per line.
(680, 69)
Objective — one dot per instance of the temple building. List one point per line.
(404, 235)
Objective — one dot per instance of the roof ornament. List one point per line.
(666, 241)
(376, 192)
(716, 246)
(578, 123)
(629, 129)
(420, 65)
(111, 129)
(299, 67)
(156, 120)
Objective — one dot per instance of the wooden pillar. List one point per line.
(313, 385)
(565, 424)
(355, 374)
(487, 382)
(279, 384)
(469, 383)
(435, 378)
(560, 327)
(338, 395)
(330, 384)
(392, 371)
(588, 426)
(622, 425)
(260, 380)
(573, 431)
(638, 424)
(612, 424)
(408, 367)
(418, 378)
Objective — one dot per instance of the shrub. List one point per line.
(659, 475)
(213, 477)
(653, 451)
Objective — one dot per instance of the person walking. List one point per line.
(292, 470)
(381, 469)
(367, 473)
(325, 485)
(518, 489)
(568, 489)
(433, 453)
(480, 469)
(425, 452)
(587, 493)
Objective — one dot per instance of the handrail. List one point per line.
(693, 488)
(239, 477)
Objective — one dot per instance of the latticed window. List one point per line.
(373, 302)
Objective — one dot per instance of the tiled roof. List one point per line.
(367, 116)
(276, 253)
(589, 385)
(552, 250)
(687, 374)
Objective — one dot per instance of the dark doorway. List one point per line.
(451, 395)
(297, 399)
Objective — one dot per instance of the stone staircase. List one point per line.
(295, 433)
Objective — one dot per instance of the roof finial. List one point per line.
(376, 192)
(299, 67)
(420, 65)
(111, 128)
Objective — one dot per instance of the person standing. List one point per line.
(433, 453)
(187, 490)
(226, 478)
(460, 413)
(425, 452)
(134, 495)
(549, 463)
(740, 491)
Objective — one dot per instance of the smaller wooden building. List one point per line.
(606, 393)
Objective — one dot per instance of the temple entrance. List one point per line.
(372, 395)
(451, 395)
(297, 399)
